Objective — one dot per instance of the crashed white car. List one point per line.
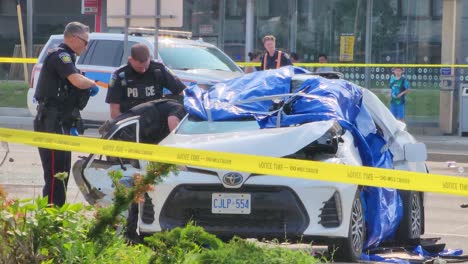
(231, 203)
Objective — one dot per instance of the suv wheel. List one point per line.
(350, 249)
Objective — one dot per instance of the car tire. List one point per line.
(132, 224)
(350, 249)
(411, 225)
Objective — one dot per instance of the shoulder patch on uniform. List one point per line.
(65, 57)
(169, 70)
(112, 79)
(121, 67)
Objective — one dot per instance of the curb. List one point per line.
(17, 122)
(447, 156)
(14, 112)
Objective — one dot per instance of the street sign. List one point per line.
(347, 47)
(445, 71)
(142, 13)
(89, 7)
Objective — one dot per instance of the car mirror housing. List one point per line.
(415, 152)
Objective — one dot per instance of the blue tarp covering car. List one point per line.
(270, 98)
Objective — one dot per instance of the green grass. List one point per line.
(419, 103)
(13, 94)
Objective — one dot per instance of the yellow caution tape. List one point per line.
(17, 60)
(292, 168)
(301, 64)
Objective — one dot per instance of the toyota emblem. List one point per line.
(232, 178)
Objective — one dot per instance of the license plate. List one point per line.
(231, 203)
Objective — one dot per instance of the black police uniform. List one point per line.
(272, 61)
(56, 97)
(130, 88)
(153, 128)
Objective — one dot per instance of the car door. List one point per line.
(91, 173)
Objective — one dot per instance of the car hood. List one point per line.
(205, 76)
(274, 142)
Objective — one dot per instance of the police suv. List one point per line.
(193, 61)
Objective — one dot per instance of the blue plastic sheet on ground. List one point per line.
(446, 253)
(315, 99)
(419, 250)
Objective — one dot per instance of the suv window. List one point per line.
(186, 57)
(52, 44)
(103, 53)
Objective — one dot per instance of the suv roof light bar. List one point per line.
(162, 32)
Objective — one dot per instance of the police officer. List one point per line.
(273, 59)
(141, 80)
(60, 91)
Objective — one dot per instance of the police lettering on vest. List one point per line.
(129, 88)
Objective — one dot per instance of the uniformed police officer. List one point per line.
(141, 80)
(61, 92)
(273, 59)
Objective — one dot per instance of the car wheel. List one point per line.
(350, 249)
(132, 224)
(411, 225)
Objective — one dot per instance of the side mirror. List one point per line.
(415, 152)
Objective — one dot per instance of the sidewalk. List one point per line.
(440, 147)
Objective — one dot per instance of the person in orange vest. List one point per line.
(273, 59)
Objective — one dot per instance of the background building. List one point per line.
(404, 31)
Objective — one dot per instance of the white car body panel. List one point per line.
(310, 192)
(230, 142)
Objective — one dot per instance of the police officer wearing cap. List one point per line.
(61, 92)
(140, 81)
(273, 59)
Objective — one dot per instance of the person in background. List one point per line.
(272, 58)
(254, 56)
(323, 59)
(399, 86)
(61, 91)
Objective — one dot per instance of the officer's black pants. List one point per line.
(53, 161)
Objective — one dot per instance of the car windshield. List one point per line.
(187, 57)
(192, 127)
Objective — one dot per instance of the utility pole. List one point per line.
(157, 24)
(29, 34)
(368, 40)
(127, 24)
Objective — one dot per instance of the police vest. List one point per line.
(139, 91)
(50, 87)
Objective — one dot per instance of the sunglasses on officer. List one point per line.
(84, 40)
